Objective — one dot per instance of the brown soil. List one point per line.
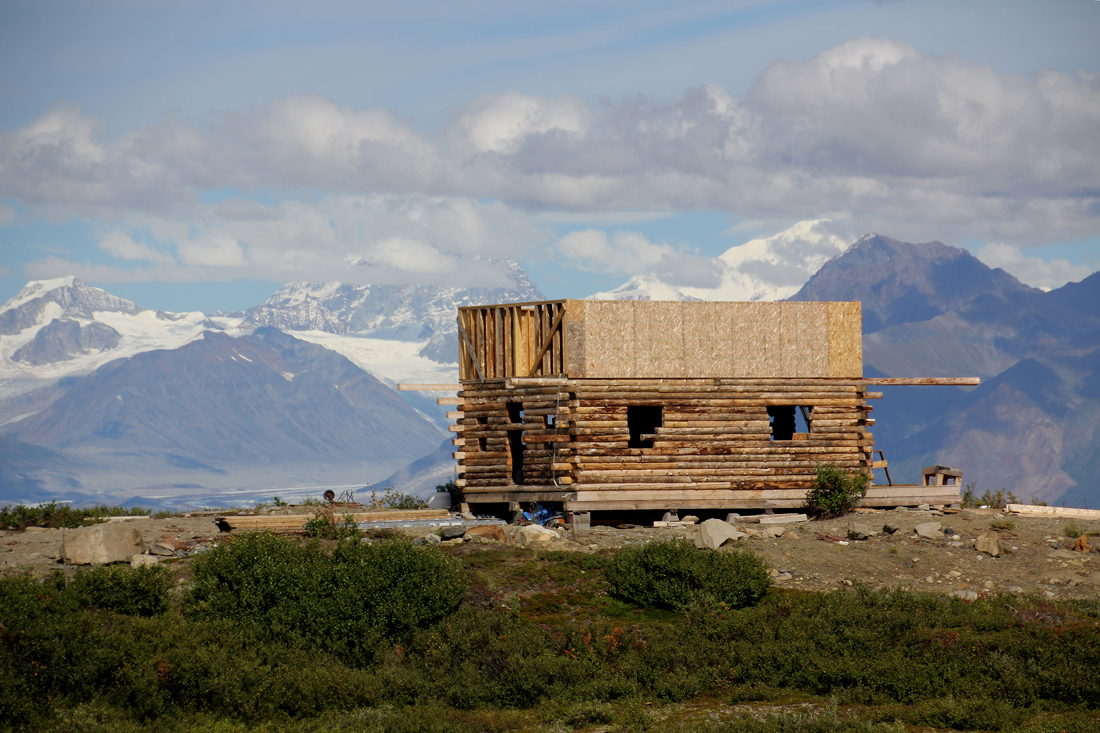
(1039, 559)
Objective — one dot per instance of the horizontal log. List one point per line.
(924, 381)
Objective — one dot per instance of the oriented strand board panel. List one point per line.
(845, 339)
(655, 339)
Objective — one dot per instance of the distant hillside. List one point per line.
(220, 405)
(934, 310)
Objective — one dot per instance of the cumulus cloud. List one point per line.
(360, 239)
(1038, 273)
(917, 146)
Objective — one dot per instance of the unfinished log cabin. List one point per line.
(632, 405)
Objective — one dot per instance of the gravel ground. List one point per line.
(808, 555)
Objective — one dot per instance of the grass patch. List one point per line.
(21, 516)
(280, 635)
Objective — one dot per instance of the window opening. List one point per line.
(643, 420)
(515, 441)
(783, 421)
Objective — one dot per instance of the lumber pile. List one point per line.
(293, 522)
(1052, 511)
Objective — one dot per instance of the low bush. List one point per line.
(140, 591)
(20, 516)
(835, 491)
(1072, 530)
(673, 574)
(344, 601)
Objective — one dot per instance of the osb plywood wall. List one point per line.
(642, 339)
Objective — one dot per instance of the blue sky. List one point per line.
(195, 155)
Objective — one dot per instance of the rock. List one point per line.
(966, 595)
(929, 531)
(924, 508)
(753, 533)
(901, 509)
(138, 561)
(534, 534)
(670, 517)
(1015, 589)
(1082, 544)
(432, 539)
(948, 531)
(487, 532)
(714, 533)
(101, 544)
(691, 518)
(858, 531)
(455, 541)
(161, 550)
(772, 532)
(891, 527)
(989, 543)
(450, 533)
(733, 518)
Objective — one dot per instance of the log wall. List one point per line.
(569, 440)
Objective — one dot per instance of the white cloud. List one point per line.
(500, 124)
(919, 147)
(1033, 271)
(119, 244)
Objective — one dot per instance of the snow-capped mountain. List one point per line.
(407, 313)
(64, 327)
(772, 268)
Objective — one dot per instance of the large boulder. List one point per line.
(533, 534)
(101, 544)
(487, 533)
(714, 533)
(989, 543)
(929, 530)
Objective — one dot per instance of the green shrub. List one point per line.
(1072, 530)
(457, 495)
(394, 499)
(20, 516)
(1005, 524)
(344, 601)
(673, 574)
(140, 591)
(835, 492)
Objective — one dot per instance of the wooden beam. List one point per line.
(924, 381)
(473, 354)
(546, 342)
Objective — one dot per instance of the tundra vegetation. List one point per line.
(276, 634)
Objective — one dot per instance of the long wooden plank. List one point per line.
(1049, 511)
(924, 381)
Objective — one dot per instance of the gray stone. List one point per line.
(929, 531)
(924, 508)
(966, 595)
(533, 534)
(101, 544)
(989, 543)
(1015, 589)
(948, 530)
(858, 531)
(714, 533)
(161, 550)
(138, 561)
(432, 539)
(449, 533)
(891, 527)
(901, 509)
(690, 518)
(670, 517)
(733, 518)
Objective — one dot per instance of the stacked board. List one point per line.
(694, 443)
